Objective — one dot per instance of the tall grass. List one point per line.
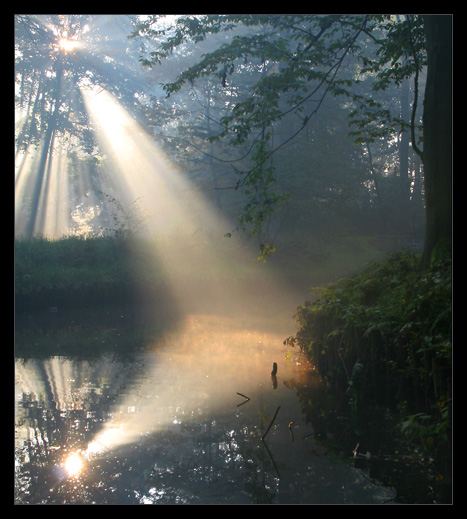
(43, 263)
(77, 269)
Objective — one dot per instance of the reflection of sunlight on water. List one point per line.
(195, 370)
(74, 464)
(191, 374)
(94, 448)
(171, 428)
(207, 359)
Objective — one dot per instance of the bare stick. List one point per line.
(272, 458)
(244, 396)
(270, 425)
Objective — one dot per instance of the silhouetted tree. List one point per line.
(305, 57)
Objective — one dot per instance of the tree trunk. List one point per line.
(404, 142)
(46, 153)
(382, 216)
(437, 138)
(417, 216)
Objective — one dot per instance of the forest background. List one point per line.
(325, 139)
(261, 124)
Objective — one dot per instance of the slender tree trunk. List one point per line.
(437, 138)
(46, 152)
(379, 198)
(217, 192)
(404, 142)
(404, 158)
(416, 203)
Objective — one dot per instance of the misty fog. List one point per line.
(186, 187)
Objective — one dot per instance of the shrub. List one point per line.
(393, 320)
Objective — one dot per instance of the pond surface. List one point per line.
(193, 417)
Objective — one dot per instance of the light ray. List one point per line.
(187, 232)
(52, 215)
(206, 273)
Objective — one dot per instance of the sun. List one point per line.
(68, 45)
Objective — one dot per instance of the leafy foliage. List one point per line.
(290, 59)
(292, 63)
(393, 320)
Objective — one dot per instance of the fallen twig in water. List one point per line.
(270, 425)
(272, 458)
(266, 445)
(244, 396)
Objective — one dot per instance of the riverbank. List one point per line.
(77, 271)
(382, 342)
(74, 272)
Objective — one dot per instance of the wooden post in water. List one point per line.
(273, 375)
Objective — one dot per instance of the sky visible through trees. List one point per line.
(181, 177)
(283, 123)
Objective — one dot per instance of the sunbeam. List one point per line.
(144, 172)
(186, 230)
(51, 218)
(204, 270)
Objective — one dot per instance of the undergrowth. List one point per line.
(77, 269)
(383, 337)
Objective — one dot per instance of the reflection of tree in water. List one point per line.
(327, 414)
(59, 407)
(223, 460)
(363, 432)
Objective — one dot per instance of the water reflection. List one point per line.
(180, 422)
(74, 464)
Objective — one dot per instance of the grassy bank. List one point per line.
(382, 340)
(74, 271)
(77, 271)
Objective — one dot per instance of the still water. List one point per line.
(193, 417)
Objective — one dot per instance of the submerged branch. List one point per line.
(272, 459)
(266, 445)
(270, 425)
(244, 396)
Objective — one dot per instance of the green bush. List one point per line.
(79, 270)
(393, 320)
